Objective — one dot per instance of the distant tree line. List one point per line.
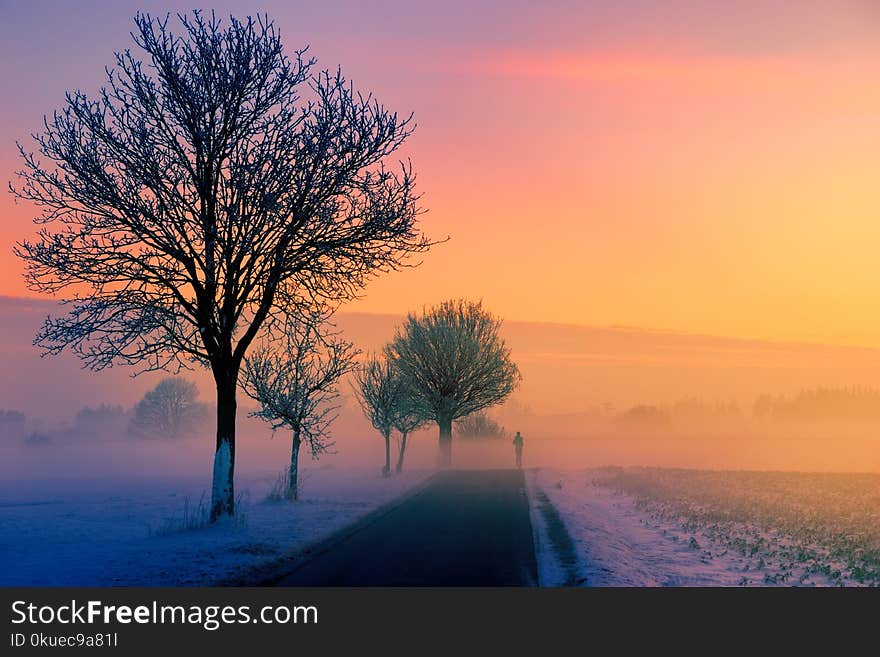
(688, 412)
(821, 403)
(171, 410)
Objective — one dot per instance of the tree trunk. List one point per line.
(445, 442)
(399, 468)
(386, 470)
(223, 488)
(293, 475)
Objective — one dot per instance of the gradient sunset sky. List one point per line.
(689, 165)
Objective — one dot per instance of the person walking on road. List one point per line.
(518, 445)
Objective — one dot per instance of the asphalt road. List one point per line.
(465, 528)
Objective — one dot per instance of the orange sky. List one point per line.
(703, 169)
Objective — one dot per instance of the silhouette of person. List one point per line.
(518, 445)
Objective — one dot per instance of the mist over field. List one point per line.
(589, 397)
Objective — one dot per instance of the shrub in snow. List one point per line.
(198, 516)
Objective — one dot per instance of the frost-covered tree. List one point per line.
(455, 362)
(380, 390)
(409, 416)
(212, 184)
(296, 383)
(170, 410)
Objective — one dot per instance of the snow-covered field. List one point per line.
(659, 527)
(121, 533)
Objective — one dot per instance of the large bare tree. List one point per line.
(453, 358)
(296, 382)
(211, 185)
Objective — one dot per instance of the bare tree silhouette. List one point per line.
(297, 386)
(454, 360)
(201, 195)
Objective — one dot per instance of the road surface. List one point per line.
(465, 528)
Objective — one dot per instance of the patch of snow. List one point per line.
(618, 544)
(550, 569)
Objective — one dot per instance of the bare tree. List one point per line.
(455, 361)
(379, 390)
(170, 410)
(297, 387)
(203, 193)
(410, 416)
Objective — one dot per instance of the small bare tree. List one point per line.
(379, 390)
(410, 416)
(455, 362)
(297, 387)
(170, 410)
(207, 188)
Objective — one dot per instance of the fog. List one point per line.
(589, 396)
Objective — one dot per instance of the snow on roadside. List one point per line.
(550, 570)
(618, 545)
(553, 568)
(105, 534)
